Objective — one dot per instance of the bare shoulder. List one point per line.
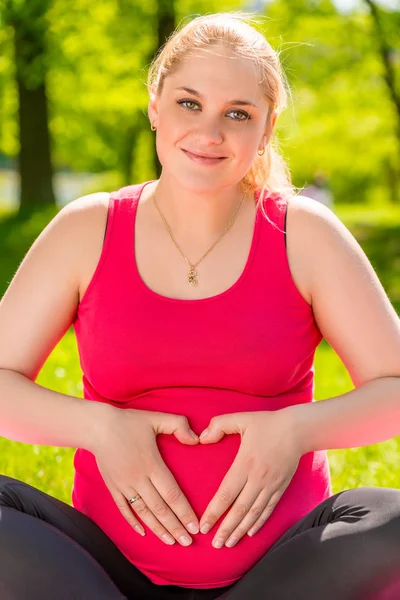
(350, 305)
(311, 214)
(92, 211)
(301, 215)
(311, 229)
(311, 211)
(315, 232)
(91, 203)
(40, 303)
(88, 214)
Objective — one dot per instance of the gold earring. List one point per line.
(260, 152)
(153, 128)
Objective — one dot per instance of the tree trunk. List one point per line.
(34, 161)
(166, 16)
(390, 80)
(34, 158)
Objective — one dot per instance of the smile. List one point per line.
(204, 160)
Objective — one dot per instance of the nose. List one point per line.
(208, 132)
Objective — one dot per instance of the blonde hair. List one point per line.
(270, 171)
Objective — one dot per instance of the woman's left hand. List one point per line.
(262, 470)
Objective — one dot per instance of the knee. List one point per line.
(7, 497)
(381, 503)
(6, 480)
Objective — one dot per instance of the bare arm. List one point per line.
(35, 312)
(356, 317)
(33, 414)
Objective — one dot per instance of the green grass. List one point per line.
(51, 469)
(374, 465)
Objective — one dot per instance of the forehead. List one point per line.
(217, 70)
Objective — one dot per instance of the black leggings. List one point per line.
(344, 549)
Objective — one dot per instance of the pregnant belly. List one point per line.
(199, 471)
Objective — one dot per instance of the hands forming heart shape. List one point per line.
(126, 451)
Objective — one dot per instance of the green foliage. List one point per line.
(342, 120)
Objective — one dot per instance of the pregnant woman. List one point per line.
(198, 301)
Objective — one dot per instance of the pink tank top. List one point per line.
(249, 348)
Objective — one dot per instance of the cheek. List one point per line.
(167, 145)
(170, 133)
(245, 149)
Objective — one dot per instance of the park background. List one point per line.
(73, 120)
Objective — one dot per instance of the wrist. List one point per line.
(97, 419)
(297, 415)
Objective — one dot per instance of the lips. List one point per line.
(205, 159)
(202, 154)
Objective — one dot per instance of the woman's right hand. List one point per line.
(130, 463)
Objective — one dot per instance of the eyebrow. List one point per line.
(238, 102)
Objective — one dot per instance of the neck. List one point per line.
(193, 214)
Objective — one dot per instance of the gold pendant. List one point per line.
(192, 277)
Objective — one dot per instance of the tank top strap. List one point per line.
(273, 268)
(275, 206)
(272, 216)
(119, 232)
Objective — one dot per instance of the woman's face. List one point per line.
(221, 114)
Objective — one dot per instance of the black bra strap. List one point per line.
(284, 227)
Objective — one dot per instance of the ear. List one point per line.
(274, 117)
(270, 129)
(152, 108)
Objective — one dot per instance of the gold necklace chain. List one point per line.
(192, 275)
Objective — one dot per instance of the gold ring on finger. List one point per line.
(132, 500)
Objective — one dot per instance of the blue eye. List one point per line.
(244, 116)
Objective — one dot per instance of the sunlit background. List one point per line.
(73, 121)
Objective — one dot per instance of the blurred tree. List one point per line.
(97, 53)
(342, 122)
(28, 23)
(165, 26)
(386, 53)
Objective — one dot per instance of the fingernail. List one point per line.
(218, 543)
(192, 527)
(194, 436)
(231, 542)
(185, 540)
(168, 539)
(203, 435)
(140, 530)
(206, 528)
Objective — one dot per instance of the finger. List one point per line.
(158, 515)
(169, 489)
(147, 517)
(248, 506)
(120, 501)
(231, 486)
(266, 513)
